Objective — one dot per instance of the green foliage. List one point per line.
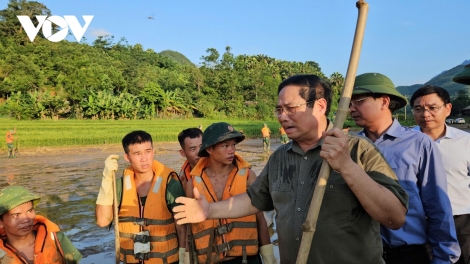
(176, 57)
(109, 79)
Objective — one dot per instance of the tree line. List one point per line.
(109, 79)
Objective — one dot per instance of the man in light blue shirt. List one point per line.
(419, 168)
(431, 106)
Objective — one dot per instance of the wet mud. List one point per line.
(68, 180)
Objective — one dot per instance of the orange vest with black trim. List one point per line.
(186, 170)
(265, 131)
(153, 217)
(218, 238)
(46, 246)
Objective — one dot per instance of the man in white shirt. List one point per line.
(431, 106)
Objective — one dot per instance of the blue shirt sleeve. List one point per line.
(432, 184)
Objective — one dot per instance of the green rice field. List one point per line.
(49, 133)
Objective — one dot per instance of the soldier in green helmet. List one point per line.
(418, 165)
(29, 238)
(220, 174)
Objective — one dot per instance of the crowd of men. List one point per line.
(395, 195)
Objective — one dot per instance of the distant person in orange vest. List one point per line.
(284, 138)
(346, 129)
(266, 138)
(10, 139)
(190, 141)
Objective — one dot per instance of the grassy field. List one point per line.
(47, 133)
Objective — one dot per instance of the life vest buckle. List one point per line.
(142, 256)
(142, 237)
(223, 229)
(141, 221)
(223, 248)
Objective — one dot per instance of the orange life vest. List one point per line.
(282, 132)
(46, 246)
(186, 170)
(217, 238)
(9, 137)
(265, 131)
(154, 217)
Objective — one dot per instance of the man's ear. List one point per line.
(321, 105)
(126, 157)
(182, 153)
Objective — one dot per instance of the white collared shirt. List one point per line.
(455, 151)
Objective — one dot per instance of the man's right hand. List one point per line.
(110, 166)
(192, 210)
(105, 196)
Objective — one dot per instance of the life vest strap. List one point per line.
(228, 246)
(145, 221)
(145, 239)
(224, 229)
(147, 256)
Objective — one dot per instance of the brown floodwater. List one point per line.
(68, 180)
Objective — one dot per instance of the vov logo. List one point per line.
(64, 23)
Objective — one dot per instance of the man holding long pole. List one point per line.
(362, 190)
(146, 194)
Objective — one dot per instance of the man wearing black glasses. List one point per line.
(431, 106)
(418, 165)
(362, 189)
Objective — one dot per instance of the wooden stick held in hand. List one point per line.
(343, 108)
(116, 220)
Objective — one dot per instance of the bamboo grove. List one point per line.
(107, 79)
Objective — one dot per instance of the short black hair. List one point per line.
(312, 88)
(135, 137)
(192, 132)
(430, 89)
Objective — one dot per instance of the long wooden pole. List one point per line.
(116, 221)
(343, 108)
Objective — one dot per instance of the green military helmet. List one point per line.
(463, 76)
(14, 196)
(380, 84)
(216, 133)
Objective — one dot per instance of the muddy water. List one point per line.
(68, 180)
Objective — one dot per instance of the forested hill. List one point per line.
(443, 80)
(114, 79)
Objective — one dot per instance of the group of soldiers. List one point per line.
(394, 195)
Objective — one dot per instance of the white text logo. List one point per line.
(64, 23)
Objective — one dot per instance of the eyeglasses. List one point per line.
(288, 109)
(417, 110)
(358, 102)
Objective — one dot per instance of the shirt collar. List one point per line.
(449, 132)
(393, 131)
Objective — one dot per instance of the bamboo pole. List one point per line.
(116, 220)
(343, 108)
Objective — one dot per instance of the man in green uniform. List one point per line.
(29, 238)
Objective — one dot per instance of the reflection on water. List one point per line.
(68, 183)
